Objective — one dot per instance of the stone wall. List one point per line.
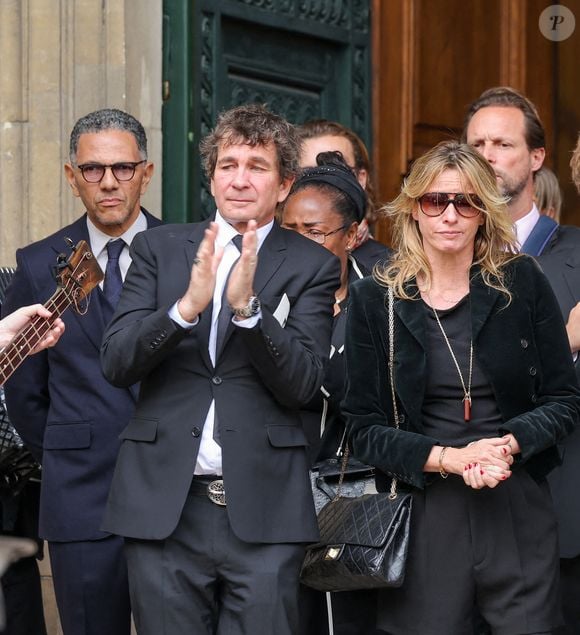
(60, 59)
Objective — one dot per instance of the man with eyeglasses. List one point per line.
(67, 413)
(505, 127)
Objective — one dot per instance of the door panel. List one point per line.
(303, 59)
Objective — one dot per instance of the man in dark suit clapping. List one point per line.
(64, 409)
(227, 326)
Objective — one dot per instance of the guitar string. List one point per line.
(57, 304)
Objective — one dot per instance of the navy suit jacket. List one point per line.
(262, 378)
(67, 413)
(560, 261)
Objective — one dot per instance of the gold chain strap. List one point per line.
(391, 312)
(393, 493)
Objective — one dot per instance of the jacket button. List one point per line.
(524, 342)
(534, 398)
(533, 371)
(401, 418)
(196, 432)
(217, 380)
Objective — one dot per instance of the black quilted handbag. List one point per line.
(17, 465)
(364, 540)
(363, 544)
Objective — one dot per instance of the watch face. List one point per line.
(255, 305)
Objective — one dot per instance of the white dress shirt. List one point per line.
(99, 240)
(209, 458)
(525, 225)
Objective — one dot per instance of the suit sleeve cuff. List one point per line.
(250, 322)
(174, 315)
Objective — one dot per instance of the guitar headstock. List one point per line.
(78, 274)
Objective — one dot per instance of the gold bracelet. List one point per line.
(442, 471)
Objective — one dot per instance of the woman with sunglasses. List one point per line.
(326, 204)
(485, 389)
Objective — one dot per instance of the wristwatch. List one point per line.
(252, 308)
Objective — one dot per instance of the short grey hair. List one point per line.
(107, 119)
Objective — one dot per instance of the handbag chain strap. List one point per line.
(391, 312)
(391, 302)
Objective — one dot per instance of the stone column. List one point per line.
(14, 218)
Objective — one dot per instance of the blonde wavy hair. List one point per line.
(495, 241)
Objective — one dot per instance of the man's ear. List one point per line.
(285, 186)
(537, 157)
(148, 173)
(69, 174)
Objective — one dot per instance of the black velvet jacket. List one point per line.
(522, 349)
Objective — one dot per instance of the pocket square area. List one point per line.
(282, 311)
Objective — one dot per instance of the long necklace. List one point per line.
(466, 390)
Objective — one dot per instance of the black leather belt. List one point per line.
(210, 486)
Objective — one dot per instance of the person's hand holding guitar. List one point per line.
(16, 321)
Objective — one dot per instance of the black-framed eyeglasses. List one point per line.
(435, 203)
(94, 172)
(320, 237)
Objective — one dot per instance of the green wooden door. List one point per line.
(304, 58)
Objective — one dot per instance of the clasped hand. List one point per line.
(202, 280)
(487, 462)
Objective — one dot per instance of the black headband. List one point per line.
(342, 179)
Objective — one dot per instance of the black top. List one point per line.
(443, 415)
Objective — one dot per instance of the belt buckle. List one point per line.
(216, 492)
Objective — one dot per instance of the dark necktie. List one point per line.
(113, 282)
(225, 314)
(224, 318)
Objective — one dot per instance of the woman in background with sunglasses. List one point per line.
(485, 390)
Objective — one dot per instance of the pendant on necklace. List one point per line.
(467, 408)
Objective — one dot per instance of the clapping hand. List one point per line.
(203, 275)
(241, 280)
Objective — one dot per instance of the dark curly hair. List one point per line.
(253, 124)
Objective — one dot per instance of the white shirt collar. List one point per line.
(226, 231)
(526, 224)
(99, 239)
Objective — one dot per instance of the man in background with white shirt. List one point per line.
(64, 409)
(505, 127)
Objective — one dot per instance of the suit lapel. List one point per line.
(411, 318)
(483, 300)
(92, 323)
(271, 256)
(571, 274)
